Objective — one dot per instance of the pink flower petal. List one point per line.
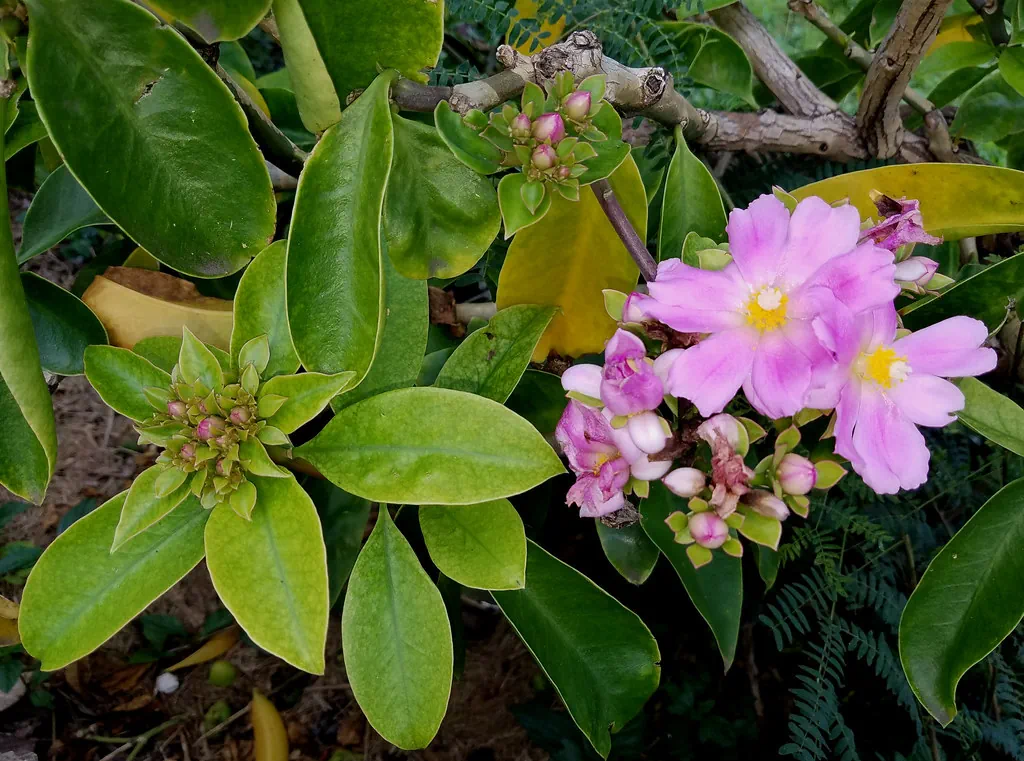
(951, 348)
(781, 373)
(927, 400)
(663, 364)
(692, 300)
(892, 450)
(648, 470)
(862, 279)
(817, 233)
(710, 373)
(584, 379)
(624, 345)
(757, 236)
(847, 412)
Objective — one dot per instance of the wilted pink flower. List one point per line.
(549, 127)
(729, 473)
(767, 504)
(685, 482)
(210, 427)
(708, 530)
(901, 223)
(759, 310)
(520, 126)
(720, 426)
(543, 157)
(916, 272)
(176, 409)
(577, 105)
(796, 474)
(884, 388)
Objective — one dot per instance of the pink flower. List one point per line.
(884, 388)
(759, 310)
(901, 223)
(729, 473)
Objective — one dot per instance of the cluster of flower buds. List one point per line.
(213, 433)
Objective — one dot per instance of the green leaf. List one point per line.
(216, 20)
(604, 672)
(984, 295)
(343, 517)
(491, 361)
(611, 152)
(199, 198)
(690, 203)
(1011, 66)
(26, 130)
(335, 295)
(257, 461)
(882, 18)
(767, 565)
(967, 602)
(59, 207)
(990, 111)
(232, 56)
(119, 375)
(956, 55)
(468, 145)
(144, 508)
(687, 9)
(271, 572)
(439, 215)
(539, 398)
(67, 613)
(715, 59)
(163, 352)
(64, 326)
(629, 550)
(716, 590)
(427, 446)
(514, 213)
(396, 640)
(197, 363)
(260, 309)
(315, 97)
(406, 322)
(956, 84)
(993, 415)
(307, 394)
(357, 40)
(481, 546)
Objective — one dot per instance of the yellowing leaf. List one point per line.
(214, 647)
(957, 200)
(9, 632)
(134, 304)
(955, 29)
(269, 736)
(8, 608)
(531, 43)
(567, 260)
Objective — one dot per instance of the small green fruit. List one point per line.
(218, 713)
(222, 673)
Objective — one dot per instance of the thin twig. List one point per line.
(139, 741)
(991, 12)
(617, 216)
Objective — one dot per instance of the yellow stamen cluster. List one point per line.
(883, 367)
(766, 309)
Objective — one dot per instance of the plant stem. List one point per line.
(617, 216)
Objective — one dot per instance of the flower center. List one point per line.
(766, 309)
(599, 463)
(884, 367)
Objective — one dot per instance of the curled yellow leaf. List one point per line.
(134, 304)
(271, 739)
(214, 647)
(955, 29)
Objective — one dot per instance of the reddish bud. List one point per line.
(176, 409)
(708, 530)
(187, 452)
(549, 127)
(544, 157)
(240, 415)
(210, 427)
(563, 172)
(577, 105)
(520, 126)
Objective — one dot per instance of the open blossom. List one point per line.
(901, 223)
(759, 310)
(883, 388)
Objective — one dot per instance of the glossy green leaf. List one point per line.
(540, 398)
(307, 395)
(216, 20)
(59, 207)
(260, 309)
(955, 85)
(716, 590)
(882, 17)
(630, 551)
(67, 613)
(481, 546)
(144, 507)
(163, 351)
(993, 415)
(439, 215)
(600, 657)
(232, 55)
(406, 322)
(491, 361)
(767, 565)
(335, 294)
(687, 9)
(1011, 66)
(284, 112)
(514, 214)
(271, 572)
(200, 198)
(315, 97)
(396, 640)
(343, 517)
(984, 295)
(468, 145)
(357, 40)
(26, 130)
(715, 59)
(967, 602)
(990, 111)
(690, 203)
(611, 151)
(119, 375)
(197, 363)
(426, 446)
(956, 55)
(64, 326)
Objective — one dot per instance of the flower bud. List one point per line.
(520, 126)
(240, 415)
(685, 482)
(222, 440)
(223, 467)
(563, 172)
(721, 425)
(765, 503)
(176, 409)
(209, 427)
(187, 451)
(549, 127)
(796, 474)
(646, 469)
(917, 270)
(577, 105)
(202, 407)
(544, 157)
(708, 530)
(648, 431)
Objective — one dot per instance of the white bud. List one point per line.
(648, 431)
(685, 482)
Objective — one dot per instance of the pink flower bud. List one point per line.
(187, 452)
(685, 482)
(222, 441)
(209, 427)
(176, 409)
(520, 126)
(202, 407)
(563, 172)
(766, 504)
(544, 157)
(708, 530)
(220, 468)
(549, 127)
(917, 270)
(648, 431)
(720, 426)
(646, 469)
(796, 474)
(240, 415)
(577, 105)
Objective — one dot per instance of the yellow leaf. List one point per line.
(9, 632)
(8, 608)
(528, 10)
(269, 735)
(957, 200)
(214, 647)
(134, 304)
(567, 260)
(955, 29)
